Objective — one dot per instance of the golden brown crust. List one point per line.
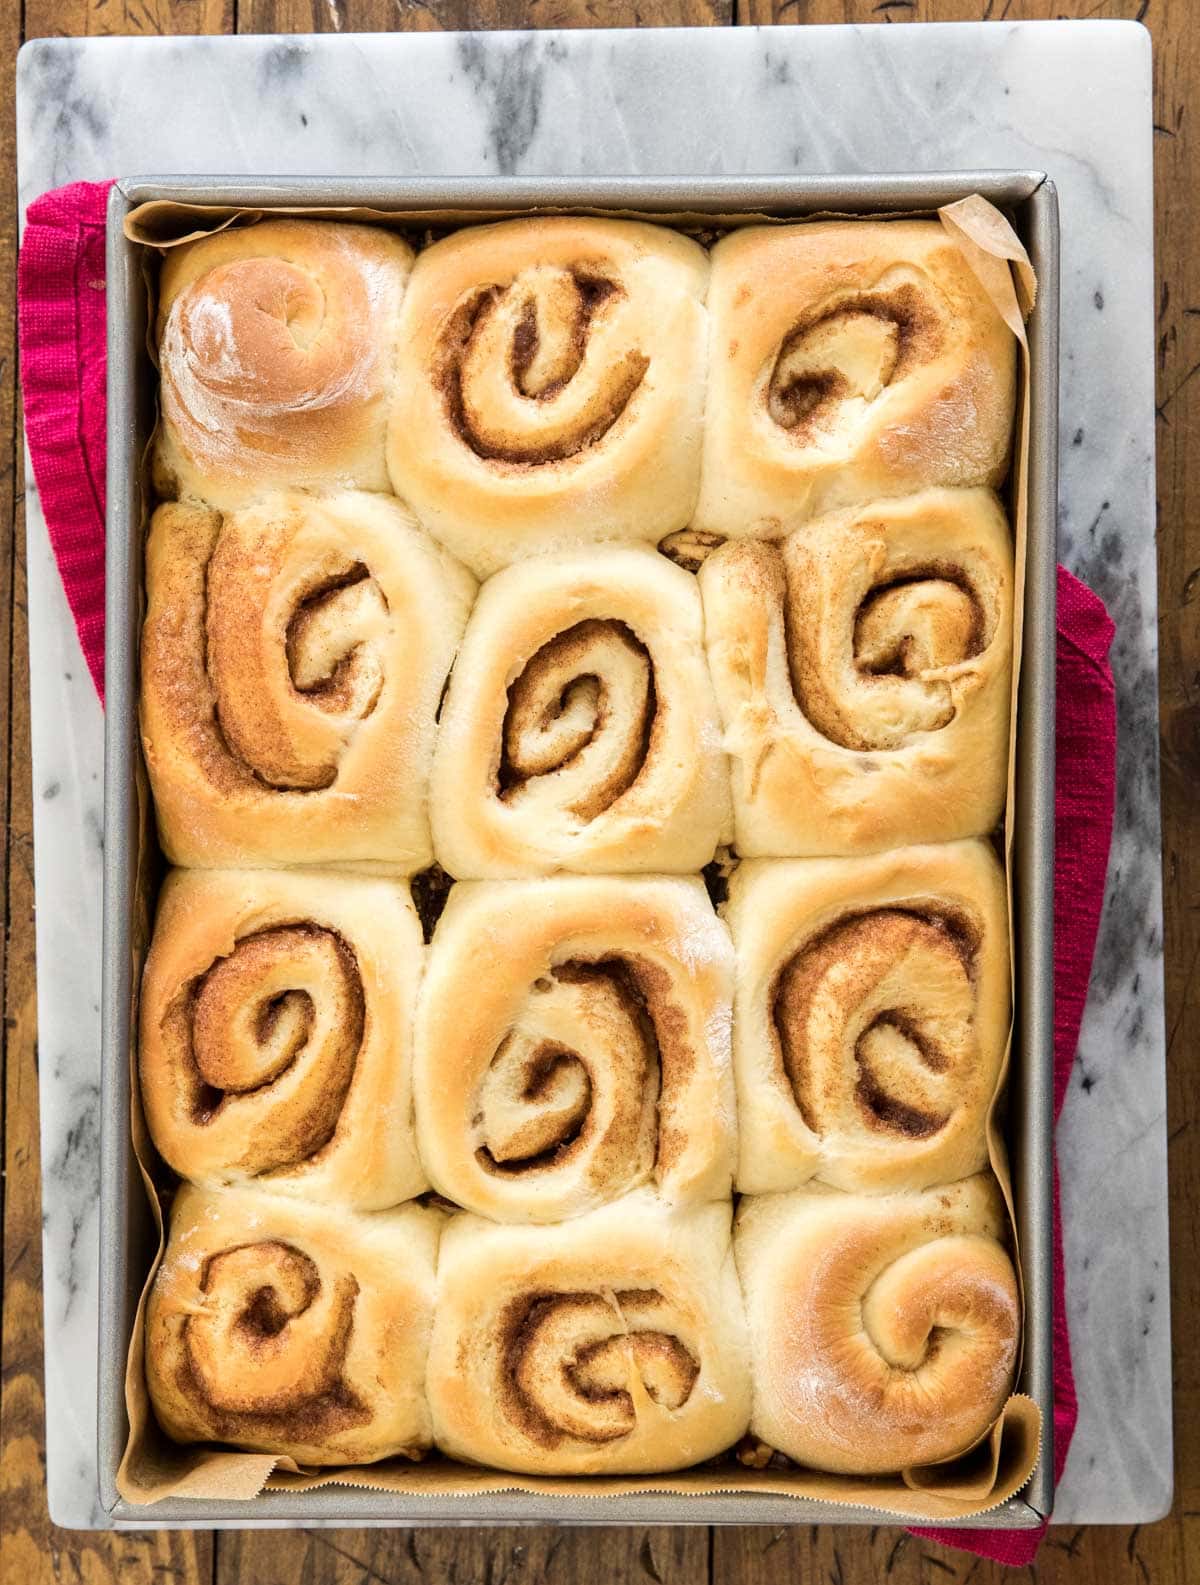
(870, 1018)
(613, 1344)
(883, 1330)
(292, 1328)
(573, 1043)
(580, 730)
(550, 386)
(293, 657)
(863, 670)
(850, 360)
(276, 343)
(276, 1033)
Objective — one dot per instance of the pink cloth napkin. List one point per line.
(62, 328)
(60, 294)
(1084, 790)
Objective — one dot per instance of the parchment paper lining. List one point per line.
(986, 1476)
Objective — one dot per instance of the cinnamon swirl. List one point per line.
(276, 344)
(573, 1043)
(293, 657)
(611, 1345)
(288, 1327)
(870, 1017)
(883, 1330)
(550, 386)
(850, 360)
(276, 1033)
(863, 669)
(580, 730)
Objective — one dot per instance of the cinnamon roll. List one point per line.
(293, 657)
(883, 1331)
(870, 1017)
(276, 343)
(276, 1033)
(550, 386)
(580, 730)
(573, 1043)
(850, 360)
(863, 668)
(287, 1327)
(612, 1345)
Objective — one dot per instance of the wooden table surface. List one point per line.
(31, 1549)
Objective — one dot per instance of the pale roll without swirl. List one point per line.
(863, 668)
(283, 1326)
(550, 386)
(870, 1018)
(849, 360)
(293, 657)
(579, 730)
(883, 1330)
(276, 346)
(573, 1043)
(276, 1033)
(611, 1345)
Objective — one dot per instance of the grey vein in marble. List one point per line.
(1072, 99)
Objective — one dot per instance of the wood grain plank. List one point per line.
(9, 38)
(1176, 29)
(414, 16)
(125, 18)
(1138, 1555)
(509, 1556)
(763, 12)
(841, 1555)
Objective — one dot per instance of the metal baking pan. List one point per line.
(129, 1241)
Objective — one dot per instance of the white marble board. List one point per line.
(1070, 98)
